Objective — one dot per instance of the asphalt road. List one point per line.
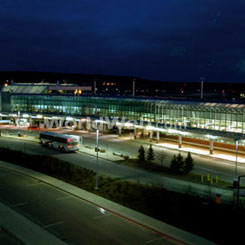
(84, 160)
(112, 169)
(69, 218)
(203, 164)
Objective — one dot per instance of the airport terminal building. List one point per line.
(206, 123)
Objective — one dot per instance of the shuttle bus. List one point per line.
(62, 142)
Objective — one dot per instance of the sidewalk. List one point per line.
(198, 150)
(131, 215)
(25, 230)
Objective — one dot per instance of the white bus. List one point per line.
(62, 142)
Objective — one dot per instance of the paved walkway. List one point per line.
(146, 221)
(202, 151)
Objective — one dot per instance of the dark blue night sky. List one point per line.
(174, 40)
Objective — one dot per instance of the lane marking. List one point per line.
(62, 198)
(50, 225)
(155, 239)
(19, 204)
(101, 216)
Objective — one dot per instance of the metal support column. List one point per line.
(158, 136)
(211, 146)
(180, 141)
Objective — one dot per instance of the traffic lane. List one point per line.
(203, 165)
(107, 167)
(72, 219)
(27, 146)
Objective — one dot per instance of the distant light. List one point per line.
(173, 131)
(128, 124)
(150, 128)
(184, 133)
(210, 136)
(100, 121)
(6, 85)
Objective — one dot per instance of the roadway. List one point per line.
(204, 165)
(225, 169)
(73, 220)
(109, 168)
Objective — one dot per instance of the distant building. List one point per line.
(206, 123)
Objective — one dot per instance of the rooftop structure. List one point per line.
(44, 88)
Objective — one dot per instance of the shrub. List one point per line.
(141, 155)
(126, 157)
(188, 164)
(177, 164)
(150, 154)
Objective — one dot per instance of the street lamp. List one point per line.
(97, 157)
(236, 157)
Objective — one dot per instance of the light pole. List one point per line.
(236, 157)
(97, 157)
(18, 119)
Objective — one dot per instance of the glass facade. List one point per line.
(215, 116)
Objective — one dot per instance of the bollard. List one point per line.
(211, 180)
(202, 178)
(208, 177)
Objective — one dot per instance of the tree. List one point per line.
(177, 164)
(173, 165)
(141, 155)
(188, 164)
(150, 154)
